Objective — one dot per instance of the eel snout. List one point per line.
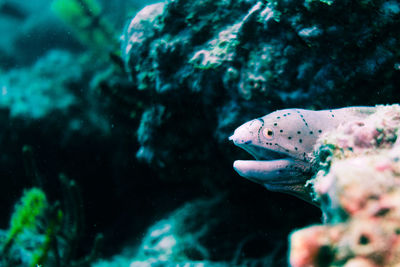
(247, 137)
(246, 132)
(275, 170)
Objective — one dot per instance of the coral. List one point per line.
(359, 196)
(297, 40)
(35, 92)
(259, 57)
(222, 49)
(56, 89)
(151, 119)
(210, 71)
(177, 239)
(187, 237)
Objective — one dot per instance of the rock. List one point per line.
(260, 57)
(359, 195)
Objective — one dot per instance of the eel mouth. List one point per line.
(241, 139)
(278, 173)
(274, 169)
(262, 153)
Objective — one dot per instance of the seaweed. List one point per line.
(87, 22)
(46, 232)
(31, 205)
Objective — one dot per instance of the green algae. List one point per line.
(32, 204)
(86, 20)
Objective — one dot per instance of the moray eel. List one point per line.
(282, 143)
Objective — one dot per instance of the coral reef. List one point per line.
(202, 73)
(248, 58)
(176, 240)
(49, 91)
(186, 237)
(207, 72)
(197, 69)
(358, 189)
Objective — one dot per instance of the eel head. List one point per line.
(280, 143)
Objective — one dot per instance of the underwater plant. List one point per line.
(26, 212)
(86, 20)
(45, 233)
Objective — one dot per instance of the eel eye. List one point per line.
(268, 133)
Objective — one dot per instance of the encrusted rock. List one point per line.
(359, 194)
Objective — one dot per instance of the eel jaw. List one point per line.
(276, 174)
(274, 170)
(277, 171)
(282, 175)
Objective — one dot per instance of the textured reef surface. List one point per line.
(247, 58)
(358, 189)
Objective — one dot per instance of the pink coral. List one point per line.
(360, 195)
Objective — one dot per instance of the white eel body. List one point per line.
(282, 143)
